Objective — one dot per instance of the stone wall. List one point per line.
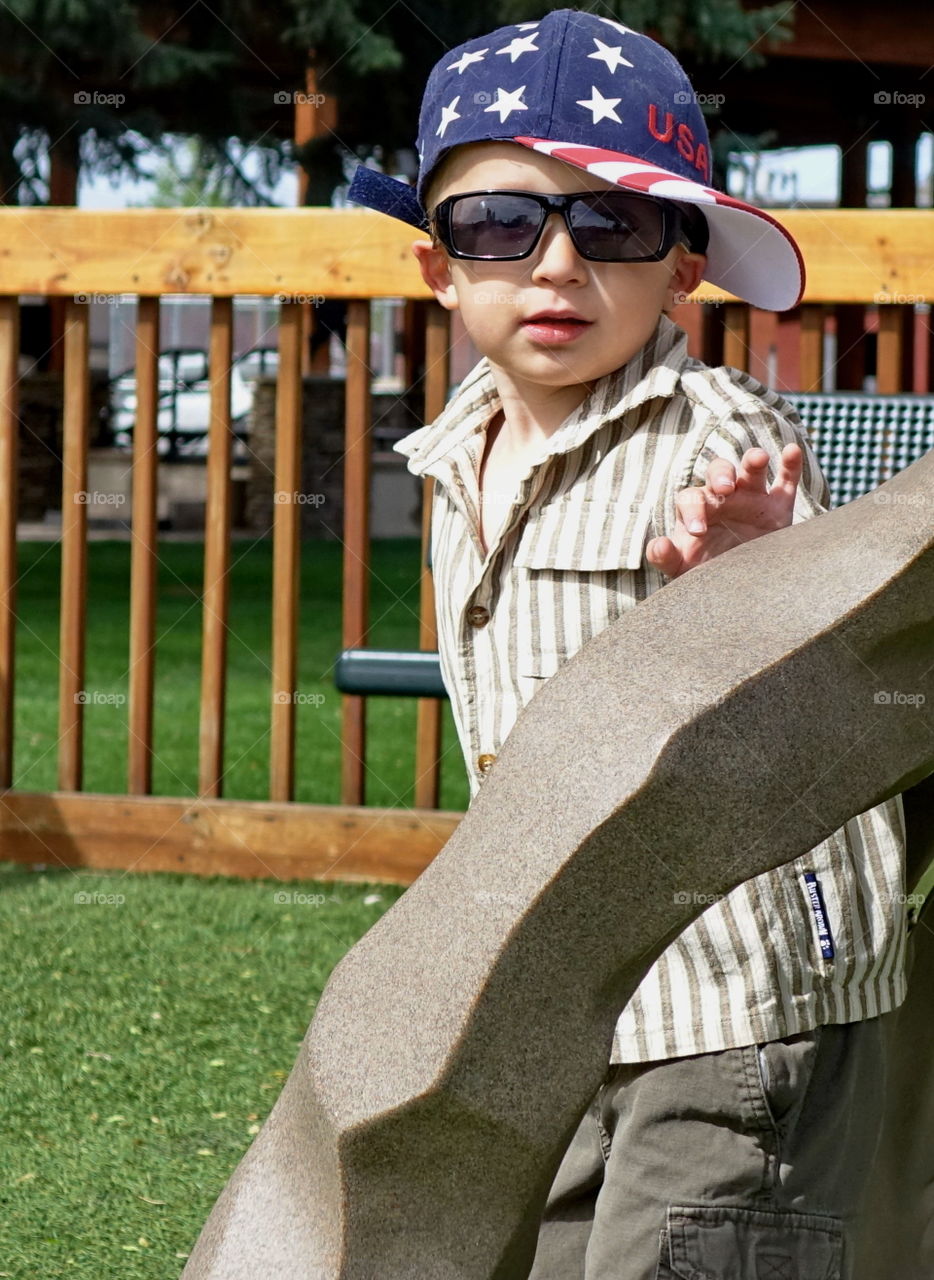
(40, 439)
(322, 491)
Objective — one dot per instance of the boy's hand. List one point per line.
(730, 508)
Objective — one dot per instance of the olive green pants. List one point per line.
(748, 1164)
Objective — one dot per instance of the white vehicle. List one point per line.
(184, 404)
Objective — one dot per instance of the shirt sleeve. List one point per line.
(759, 426)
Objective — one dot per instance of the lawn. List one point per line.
(149, 1021)
(391, 721)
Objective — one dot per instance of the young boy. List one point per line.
(584, 461)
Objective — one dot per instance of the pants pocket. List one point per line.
(786, 1068)
(722, 1243)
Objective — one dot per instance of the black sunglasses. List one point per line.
(604, 226)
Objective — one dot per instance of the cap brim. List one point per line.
(749, 254)
(378, 191)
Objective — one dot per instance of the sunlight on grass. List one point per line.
(149, 1024)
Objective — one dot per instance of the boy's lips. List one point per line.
(555, 326)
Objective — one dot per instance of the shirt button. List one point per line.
(477, 616)
(485, 763)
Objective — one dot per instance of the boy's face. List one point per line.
(621, 301)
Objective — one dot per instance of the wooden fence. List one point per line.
(855, 259)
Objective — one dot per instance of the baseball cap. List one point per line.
(595, 94)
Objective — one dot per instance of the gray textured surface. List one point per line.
(724, 727)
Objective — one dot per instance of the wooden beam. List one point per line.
(286, 552)
(358, 415)
(336, 253)
(216, 596)
(894, 349)
(736, 337)
(428, 717)
(9, 478)
(76, 428)
(811, 349)
(144, 552)
(252, 839)
(852, 255)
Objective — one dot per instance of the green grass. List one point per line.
(149, 1022)
(391, 721)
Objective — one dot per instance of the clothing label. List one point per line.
(824, 936)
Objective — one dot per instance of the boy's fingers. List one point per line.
(790, 469)
(754, 469)
(691, 505)
(664, 556)
(721, 476)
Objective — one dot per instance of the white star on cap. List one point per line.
(526, 26)
(506, 103)
(464, 61)
(520, 45)
(448, 114)
(613, 57)
(602, 108)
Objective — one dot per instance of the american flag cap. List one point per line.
(593, 93)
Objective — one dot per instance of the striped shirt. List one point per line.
(568, 560)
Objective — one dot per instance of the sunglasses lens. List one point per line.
(606, 226)
(494, 225)
(611, 227)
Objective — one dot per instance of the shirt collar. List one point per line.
(653, 371)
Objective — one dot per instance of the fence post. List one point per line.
(356, 588)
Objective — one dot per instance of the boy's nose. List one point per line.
(554, 256)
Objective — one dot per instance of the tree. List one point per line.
(380, 86)
(97, 83)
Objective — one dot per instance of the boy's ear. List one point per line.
(436, 272)
(686, 276)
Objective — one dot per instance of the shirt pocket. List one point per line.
(723, 1243)
(585, 535)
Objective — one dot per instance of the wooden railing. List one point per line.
(883, 259)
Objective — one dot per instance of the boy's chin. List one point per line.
(558, 366)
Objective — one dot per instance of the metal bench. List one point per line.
(399, 673)
(860, 440)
